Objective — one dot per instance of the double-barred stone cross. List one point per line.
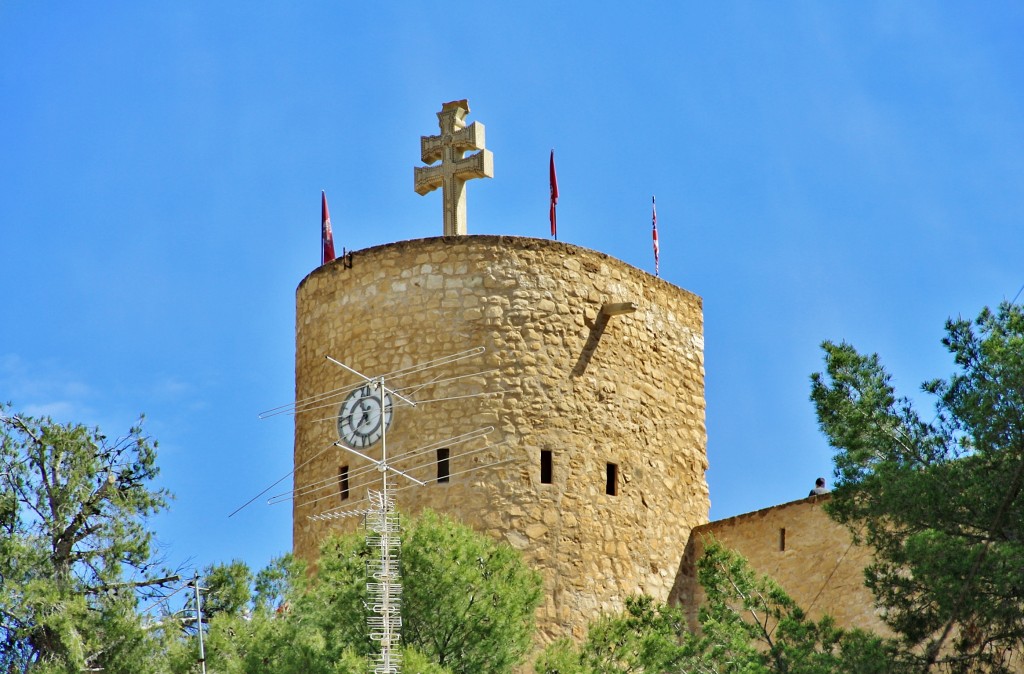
(455, 168)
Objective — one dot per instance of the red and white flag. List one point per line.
(553, 179)
(654, 234)
(326, 236)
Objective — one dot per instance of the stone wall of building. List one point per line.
(809, 555)
(618, 403)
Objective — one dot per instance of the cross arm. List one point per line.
(431, 148)
(472, 137)
(479, 165)
(427, 178)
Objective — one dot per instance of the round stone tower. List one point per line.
(592, 376)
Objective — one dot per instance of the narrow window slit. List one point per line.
(782, 539)
(545, 466)
(443, 467)
(343, 482)
(611, 485)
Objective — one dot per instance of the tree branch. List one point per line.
(1016, 485)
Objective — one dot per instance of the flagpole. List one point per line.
(654, 235)
(553, 184)
(326, 236)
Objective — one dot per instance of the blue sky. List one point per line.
(823, 171)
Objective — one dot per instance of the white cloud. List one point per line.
(44, 388)
(61, 410)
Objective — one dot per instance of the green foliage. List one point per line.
(270, 622)
(748, 618)
(748, 625)
(468, 606)
(414, 662)
(275, 582)
(75, 556)
(939, 501)
(73, 507)
(276, 642)
(646, 637)
(468, 602)
(561, 657)
(335, 600)
(228, 589)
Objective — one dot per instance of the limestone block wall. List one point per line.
(808, 554)
(616, 403)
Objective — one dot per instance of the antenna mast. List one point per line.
(384, 587)
(366, 411)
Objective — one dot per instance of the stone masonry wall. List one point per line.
(808, 554)
(593, 391)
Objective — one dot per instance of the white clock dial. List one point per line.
(361, 420)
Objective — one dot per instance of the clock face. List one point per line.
(361, 421)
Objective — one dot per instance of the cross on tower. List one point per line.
(455, 169)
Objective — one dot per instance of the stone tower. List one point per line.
(597, 378)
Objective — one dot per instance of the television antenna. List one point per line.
(365, 412)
